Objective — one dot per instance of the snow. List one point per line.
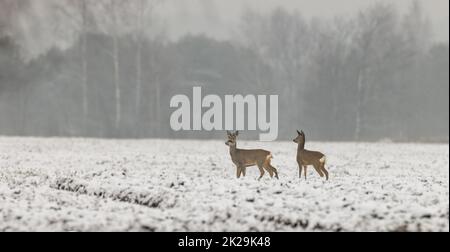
(57, 184)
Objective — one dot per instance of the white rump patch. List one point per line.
(323, 159)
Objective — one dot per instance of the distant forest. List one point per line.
(107, 69)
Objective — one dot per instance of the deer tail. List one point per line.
(323, 159)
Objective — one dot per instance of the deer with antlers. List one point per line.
(245, 158)
(307, 157)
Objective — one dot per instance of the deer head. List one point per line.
(300, 137)
(231, 138)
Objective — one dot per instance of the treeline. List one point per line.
(373, 76)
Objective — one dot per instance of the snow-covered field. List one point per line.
(181, 185)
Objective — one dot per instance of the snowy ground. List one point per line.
(167, 185)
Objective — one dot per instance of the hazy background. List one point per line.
(344, 70)
(221, 18)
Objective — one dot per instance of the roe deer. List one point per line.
(245, 158)
(307, 157)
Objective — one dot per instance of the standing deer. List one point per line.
(245, 158)
(307, 157)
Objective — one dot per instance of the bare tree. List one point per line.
(376, 42)
(283, 40)
(83, 8)
(417, 29)
(143, 10)
(109, 21)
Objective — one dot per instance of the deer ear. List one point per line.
(228, 133)
(302, 132)
(298, 132)
(237, 133)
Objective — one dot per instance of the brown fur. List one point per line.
(307, 157)
(246, 158)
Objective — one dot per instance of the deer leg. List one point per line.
(261, 170)
(300, 170)
(322, 167)
(304, 173)
(243, 170)
(266, 167)
(238, 171)
(271, 169)
(317, 168)
(274, 171)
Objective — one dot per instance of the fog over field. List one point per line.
(343, 70)
(221, 18)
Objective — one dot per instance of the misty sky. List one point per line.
(219, 18)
